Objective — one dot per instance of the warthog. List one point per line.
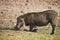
(34, 19)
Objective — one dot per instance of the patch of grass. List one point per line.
(23, 35)
(28, 36)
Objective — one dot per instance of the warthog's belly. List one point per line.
(42, 23)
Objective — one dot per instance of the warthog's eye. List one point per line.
(20, 20)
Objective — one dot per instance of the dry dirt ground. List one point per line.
(41, 34)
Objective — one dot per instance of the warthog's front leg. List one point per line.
(33, 28)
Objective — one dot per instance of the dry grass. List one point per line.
(24, 35)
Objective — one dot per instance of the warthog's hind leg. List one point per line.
(53, 24)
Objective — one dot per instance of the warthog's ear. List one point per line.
(21, 19)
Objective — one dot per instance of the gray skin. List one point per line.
(35, 19)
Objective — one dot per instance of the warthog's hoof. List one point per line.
(35, 30)
(16, 28)
(51, 33)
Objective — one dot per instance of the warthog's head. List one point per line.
(20, 23)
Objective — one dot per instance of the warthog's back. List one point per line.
(39, 18)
